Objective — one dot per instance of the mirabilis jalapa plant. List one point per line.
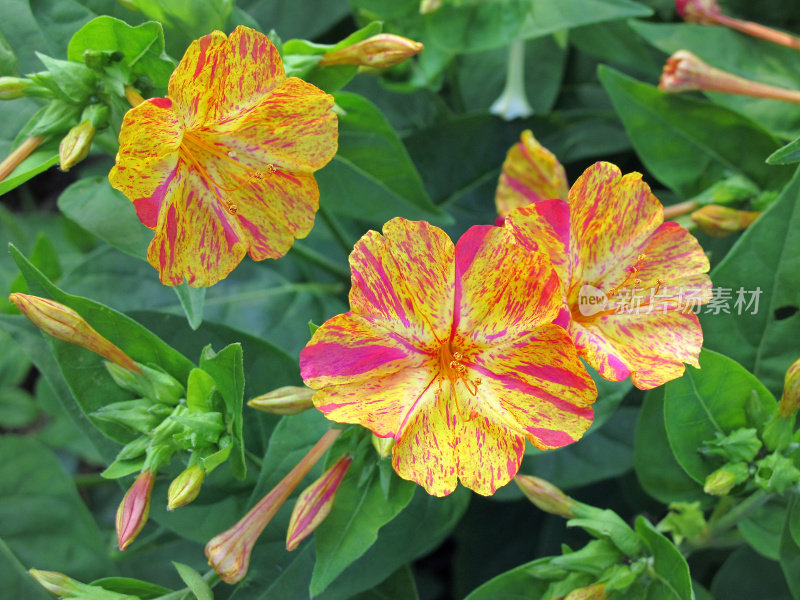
(452, 353)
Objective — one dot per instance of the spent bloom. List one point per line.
(530, 173)
(225, 164)
(630, 280)
(450, 350)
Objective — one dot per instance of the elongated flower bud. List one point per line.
(684, 72)
(185, 487)
(153, 384)
(75, 146)
(698, 11)
(134, 509)
(379, 52)
(229, 552)
(287, 400)
(721, 221)
(790, 400)
(65, 324)
(546, 496)
(383, 446)
(12, 88)
(314, 504)
(56, 583)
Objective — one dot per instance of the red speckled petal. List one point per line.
(502, 289)
(148, 152)
(403, 281)
(530, 173)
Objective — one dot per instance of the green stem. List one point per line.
(90, 480)
(257, 460)
(336, 229)
(319, 260)
(730, 519)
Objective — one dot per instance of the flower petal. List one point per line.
(530, 173)
(611, 217)
(535, 385)
(651, 347)
(148, 151)
(487, 453)
(502, 290)
(195, 237)
(544, 226)
(293, 128)
(403, 281)
(350, 349)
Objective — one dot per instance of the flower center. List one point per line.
(192, 143)
(452, 366)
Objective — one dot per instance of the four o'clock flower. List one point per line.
(225, 164)
(134, 509)
(610, 244)
(451, 350)
(530, 173)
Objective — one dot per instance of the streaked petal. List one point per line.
(544, 226)
(195, 237)
(292, 128)
(148, 151)
(651, 347)
(611, 217)
(194, 84)
(349, 348)
(424, 453)
(403, 281)
(502, 290)
(530, 173)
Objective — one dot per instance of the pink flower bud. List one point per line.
(790, 400)
(721, 221)
(698, 11)
(287, 400)
(63, 323)
(134, 509)
(379, 51)
(314, 504)
(546, 496)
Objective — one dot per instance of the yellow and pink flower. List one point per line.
(225, 164)
(450, 350)
(610, 243)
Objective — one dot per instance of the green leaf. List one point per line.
(788, 154)
(142, 46)
(194, 581)
(354, 522)
(227, 370)
(763, 528)
(669, 565)
(706, 401)
(372, 175)
(765, 258)
(297, 18)
(745, 575)
(742, 55)
(518, 583)
(790, 556)
(191, 300)
(74, 79)
(8, 60)
(400, 585)
(135, 587)
(690, 144)
(15, 580)
(100, 209)
(42, 519)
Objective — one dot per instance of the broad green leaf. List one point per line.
(669, 565)
(17, 408)
(790, 554)
(15, 580)
(746, 575)
(399, 586)
(134, 587)
(658, 472)
(296, 18)
(707, 401)
(690, 144)
(142, 46)
(100, 209)
(191, 300)
(763, 528)
(742, 55)
(765, 260)
(42, 518)
(227, 370)
(616, 43)
(518, 583)
(788, 154)
(354, 522)
(194, 581)
(372, 176)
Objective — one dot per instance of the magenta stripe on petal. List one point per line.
(327, 359)
(550, 437)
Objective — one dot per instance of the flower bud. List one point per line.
(287, 400)
(185, 487)
(151, 383)
(546, 496)
(721, 221)
(12, 88)
(63, 323)
(379, 52)
(383, 446)
(698, 11)
(429, 6)
(134, 509)
(74, 147)
(314, 504)
(790, 400)
(596, 591)
(56, 583)
(724, 479)
(141, 415)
